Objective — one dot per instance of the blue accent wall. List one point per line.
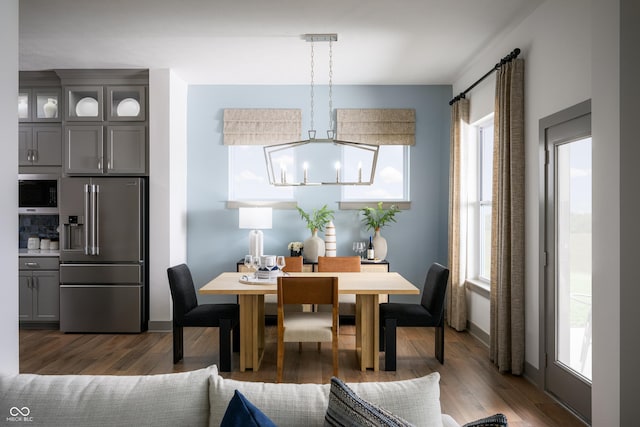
(214, 241)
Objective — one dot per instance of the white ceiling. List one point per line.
(260, 41)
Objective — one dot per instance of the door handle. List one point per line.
(87, 225)
(96, 214)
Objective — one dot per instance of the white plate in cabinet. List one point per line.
(126, 103)
(84, 103)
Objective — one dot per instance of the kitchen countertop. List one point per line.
(39, 252)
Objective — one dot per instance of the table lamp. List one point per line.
(255, 219)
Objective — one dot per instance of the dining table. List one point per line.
(367, 287)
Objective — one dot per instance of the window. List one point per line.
(248, 176)
(484, 183)
(391, 180)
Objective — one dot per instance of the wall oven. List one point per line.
(38, 194)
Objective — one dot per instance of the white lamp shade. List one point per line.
(254, 218)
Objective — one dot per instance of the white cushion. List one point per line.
(307, 327)
(101, 400)
(286, 405)
(416, 400)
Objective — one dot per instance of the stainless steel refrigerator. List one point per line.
(103, 286)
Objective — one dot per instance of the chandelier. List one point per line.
(300, 163)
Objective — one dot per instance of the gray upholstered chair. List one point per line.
(429, 313)
(187, 312)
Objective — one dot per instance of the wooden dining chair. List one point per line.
(293, 264)
(342, 264)
(338, 264)
(296, 326)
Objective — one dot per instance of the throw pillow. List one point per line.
(497, 420)
(347, 409)
(242, 413)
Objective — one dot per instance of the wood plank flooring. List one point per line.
(470, 386)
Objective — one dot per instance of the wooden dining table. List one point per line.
(367, 288)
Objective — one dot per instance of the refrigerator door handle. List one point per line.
(87, 217)
(96, 223)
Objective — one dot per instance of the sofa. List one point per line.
(197, 398)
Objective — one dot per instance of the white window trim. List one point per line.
(475, 281)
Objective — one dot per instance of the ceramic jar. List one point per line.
(379, 245)
(50, 108)
(313, 247)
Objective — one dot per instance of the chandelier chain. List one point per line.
(331, 85)
(312, 55)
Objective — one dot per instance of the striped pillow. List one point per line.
(348, 409)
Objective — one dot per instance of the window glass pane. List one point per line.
(485, 242)
(486, 161)
(573, 255)
(248, 178)
(390, 177)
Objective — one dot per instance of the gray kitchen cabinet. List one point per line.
(84, 103)
(126, 149)
(39, 145)
(123, 154)
(83, 150)
(126, 103)
(39, 290)
(39, 104)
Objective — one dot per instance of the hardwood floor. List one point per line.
(471, 387)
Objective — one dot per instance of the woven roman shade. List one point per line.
(261, 126)
(378, 126)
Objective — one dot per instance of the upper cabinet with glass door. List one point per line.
(126, 103)
(39, 105)
(84, 103)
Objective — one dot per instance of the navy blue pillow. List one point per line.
(242, 413)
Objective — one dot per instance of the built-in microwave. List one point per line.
(38, 194)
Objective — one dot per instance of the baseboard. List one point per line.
(533, 375)
(160, 325)
(477, 332)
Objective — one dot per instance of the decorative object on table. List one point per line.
(295, 248)
(50, 108)
(267, 268)
(256, 220)
(376, 218)
(330, 240)
(317, 220)
(371, 255)
(359, 248)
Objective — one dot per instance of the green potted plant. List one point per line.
(316, 221)
(375, 219)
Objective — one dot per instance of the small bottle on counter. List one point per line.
(370, 252)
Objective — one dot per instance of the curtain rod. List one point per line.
(510, 57)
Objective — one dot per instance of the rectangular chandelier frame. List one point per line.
(282, 181)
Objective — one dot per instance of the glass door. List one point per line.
(568, 273)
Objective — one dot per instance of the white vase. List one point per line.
(50, 108)
(313, 247)
(330, 240)
(379, 245)
(23, 109)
